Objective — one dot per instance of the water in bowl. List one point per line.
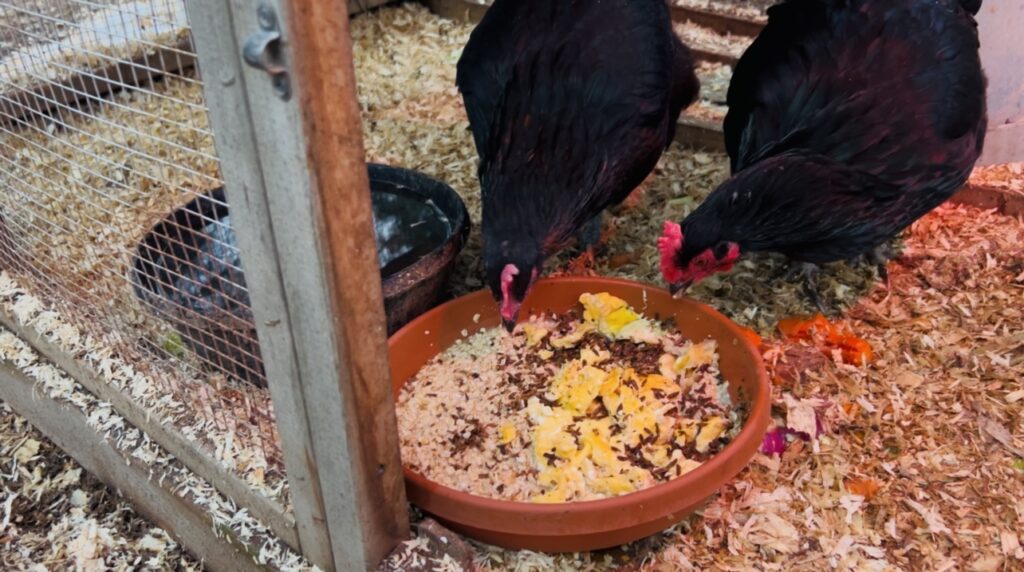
(408, 228)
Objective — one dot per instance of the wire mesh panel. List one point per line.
(112, 211)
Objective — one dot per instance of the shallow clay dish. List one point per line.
(590, 525)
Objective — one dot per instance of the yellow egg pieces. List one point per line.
(601, 429)
(616, 320)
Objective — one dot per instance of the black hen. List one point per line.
(848, 120)
(571, 104)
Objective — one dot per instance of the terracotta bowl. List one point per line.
(590, 525)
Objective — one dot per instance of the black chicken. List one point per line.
(571, 104)
(848, 121)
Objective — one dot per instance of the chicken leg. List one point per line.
(809, 273)
(880, 257)
(589, 235)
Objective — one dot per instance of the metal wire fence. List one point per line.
(112, 211)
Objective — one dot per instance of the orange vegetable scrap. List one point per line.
(866, 488)
(752, 336)
(851, 409)
(827, 337)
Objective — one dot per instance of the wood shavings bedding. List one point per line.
(944, 336)
(53, 512)
(89, 544)
(568, 408)
(97, 40)
(917, 424)
(1009, 177)
(708, 39)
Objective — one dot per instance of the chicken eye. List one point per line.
(721, 250)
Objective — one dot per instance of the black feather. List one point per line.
(571, 104)
(848, 120)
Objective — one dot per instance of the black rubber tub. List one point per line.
(187, 268)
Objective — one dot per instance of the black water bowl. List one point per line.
(409, 204)
(187, 269)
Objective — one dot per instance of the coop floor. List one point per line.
(55, 516)
(920, 466)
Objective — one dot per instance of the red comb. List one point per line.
(669, 244)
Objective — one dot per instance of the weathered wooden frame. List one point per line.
(296, 179)
(295, 175)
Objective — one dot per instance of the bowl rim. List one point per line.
(456, 242)
(708, 473)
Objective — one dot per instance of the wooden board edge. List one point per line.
(458, 10)
(721, 23)
(700, 134)
(1003, 201)
(267, 511)
(28, 104)
(68, 428)
(350, 406)
(356, 7)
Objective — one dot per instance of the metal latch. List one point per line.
(263, 51)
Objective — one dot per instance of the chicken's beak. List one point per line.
(680, 288)
(508, 324)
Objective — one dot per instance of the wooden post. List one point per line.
(326, 84)
(296, 181)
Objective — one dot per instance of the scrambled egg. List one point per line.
(614, 318)
(596, 449)
(694, 357)
(712, 429)
(594, 422)
(507, 434)
(534, 334)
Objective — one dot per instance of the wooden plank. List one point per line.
(1005, 201)
(1003, 144)
(721, 23)
(458, 10)
(359, 6)
(700, 134)
(464, 11)
(226, 94)
(27, 104)
(68, 428)
(711, 56)
(269, 512)
(359, 481)
(999, 26)
(369, 467)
